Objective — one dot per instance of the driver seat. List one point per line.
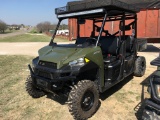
(109, 46)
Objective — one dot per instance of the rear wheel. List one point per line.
(140, 66)
(83, 100)
(32, 90)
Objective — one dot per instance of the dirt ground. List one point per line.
(22, 48)
(122, 102)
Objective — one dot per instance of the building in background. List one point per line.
(62, 32)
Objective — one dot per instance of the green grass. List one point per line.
(11, 74)
(15, 103)
(33, 30)
(31, 38)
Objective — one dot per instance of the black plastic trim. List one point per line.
(156, 62)
(152, 105)
(153, 90)
(55, 71)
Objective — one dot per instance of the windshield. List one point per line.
(74, 29)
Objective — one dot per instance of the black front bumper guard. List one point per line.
(49, 84)
(152, 105)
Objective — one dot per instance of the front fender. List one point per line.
(97, 57)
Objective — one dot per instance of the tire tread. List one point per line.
(32, 90)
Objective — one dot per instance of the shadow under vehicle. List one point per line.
(94, 63)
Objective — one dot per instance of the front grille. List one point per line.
(48, 64)
(44, 74)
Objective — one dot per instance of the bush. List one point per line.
(43, 27)
(3, 26)
(33, 31)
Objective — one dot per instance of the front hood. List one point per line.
(63, 55)
(56, 54)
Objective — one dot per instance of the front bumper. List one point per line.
(151, 110)
(152, 105)
(51, 79)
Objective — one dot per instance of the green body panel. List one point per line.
(56, 54)
(62, 56)
(97, 57)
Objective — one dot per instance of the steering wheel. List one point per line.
(91, 40)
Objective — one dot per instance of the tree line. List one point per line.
(41, 27)
(47, 26)
(4, 26)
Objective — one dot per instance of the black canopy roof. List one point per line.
(93, 4)
(144, 4)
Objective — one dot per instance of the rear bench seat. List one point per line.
(129, 45)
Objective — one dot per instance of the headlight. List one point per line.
(79, 61)
(158, 90)
(33, 65)
(35, 61)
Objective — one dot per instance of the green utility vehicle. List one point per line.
(95, 63)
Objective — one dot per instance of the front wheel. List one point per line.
(32, 90)
(83, 100)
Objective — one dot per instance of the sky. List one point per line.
(29, 12)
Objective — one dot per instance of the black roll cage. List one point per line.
(121, 16)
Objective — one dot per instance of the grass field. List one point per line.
(31, 38)
(15, 103)
(118, 103)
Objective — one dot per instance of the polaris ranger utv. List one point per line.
(152, 105)
(94, 63)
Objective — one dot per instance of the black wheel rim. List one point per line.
(87, 101)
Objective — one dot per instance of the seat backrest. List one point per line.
(129, 43)
(81, 40)
(109, 45)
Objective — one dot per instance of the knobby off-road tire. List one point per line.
(140, 66)
(83, 100)
(32, 90)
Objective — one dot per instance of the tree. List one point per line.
(3, 26)
(39, 27)
(44, 27)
